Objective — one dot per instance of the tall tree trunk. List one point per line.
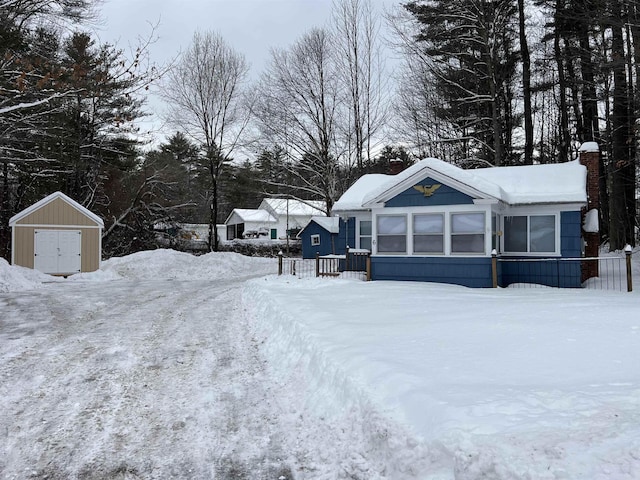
(563, 128)
(621, 220)
(526, 86)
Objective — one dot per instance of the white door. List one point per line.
(57, 251)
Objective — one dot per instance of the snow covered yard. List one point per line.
(165, 365)
(470, 383)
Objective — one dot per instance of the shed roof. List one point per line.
(330, 224)
(252, 215)
(50, 198)
(292, 207)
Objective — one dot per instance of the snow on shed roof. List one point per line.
(531, 184)
(330, 224)
(253, 215)
(288, 206)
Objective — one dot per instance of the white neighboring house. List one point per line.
(291, 215)
(250, 223)
(272, 219)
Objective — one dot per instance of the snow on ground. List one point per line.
(504, 384)
(166, 365)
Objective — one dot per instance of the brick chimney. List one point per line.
(395, 166)
(590, 158)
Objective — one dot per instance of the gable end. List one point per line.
(429, 192)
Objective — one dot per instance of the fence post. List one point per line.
(627, 251)
(494, 268)
(293, 268)
(368, 267)
(346, 260)
(317, 264)
(280, 263)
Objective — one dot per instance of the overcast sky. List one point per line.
(251, 27)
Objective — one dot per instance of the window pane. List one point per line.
(542, 233)
(392, 224)
(467, 223)
(515, 234)
(467, 243)
(392, 243)
(428, 243)
(428, 223)
(365, 227)
(365, 242)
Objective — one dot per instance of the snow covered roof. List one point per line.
(353, 198)
(531, 184)
(291, 207)
(252, 215)
(330, 224)
(50, 198)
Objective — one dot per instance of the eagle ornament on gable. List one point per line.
(427, 190)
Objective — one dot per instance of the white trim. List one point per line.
(52, 226)
(13, 246)
(46, 200)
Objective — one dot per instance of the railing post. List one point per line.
(494, 268)
(280, 263)
(368, 268)
(346, 260)
(628, 251)
(317, 264)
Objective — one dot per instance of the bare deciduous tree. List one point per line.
(204, 97)
(362, 73)
(297, 108)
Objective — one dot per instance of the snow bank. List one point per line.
(14, 278)
(167, 264)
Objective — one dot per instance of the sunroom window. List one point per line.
(467, 232)
(392, 233)
(530, 234)
(428, 233)
(365, 234)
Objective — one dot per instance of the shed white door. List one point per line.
(57, 251)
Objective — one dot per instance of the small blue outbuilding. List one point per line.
(321, 236)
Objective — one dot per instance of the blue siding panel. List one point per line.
(551, 272)
(444, 195)
(347, 235)
(469, 272)
(570, 234)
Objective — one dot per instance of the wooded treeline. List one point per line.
(513, 82)
(503, 82)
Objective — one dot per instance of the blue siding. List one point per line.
(444, 195)
(469, 272)
(347, 235)
(570, 234)
(328, 241)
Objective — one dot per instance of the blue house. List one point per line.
(320, 236)
(436, 222)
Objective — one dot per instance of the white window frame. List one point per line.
(370, 236)
(315, 240)
(443, 233)
(451, 233)
(528, 214)
(375, 234)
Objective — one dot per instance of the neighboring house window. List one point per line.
(365, 234)
(428, 233)
(530, 234)
(315, 240)
(392, 233)
(467, 232)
